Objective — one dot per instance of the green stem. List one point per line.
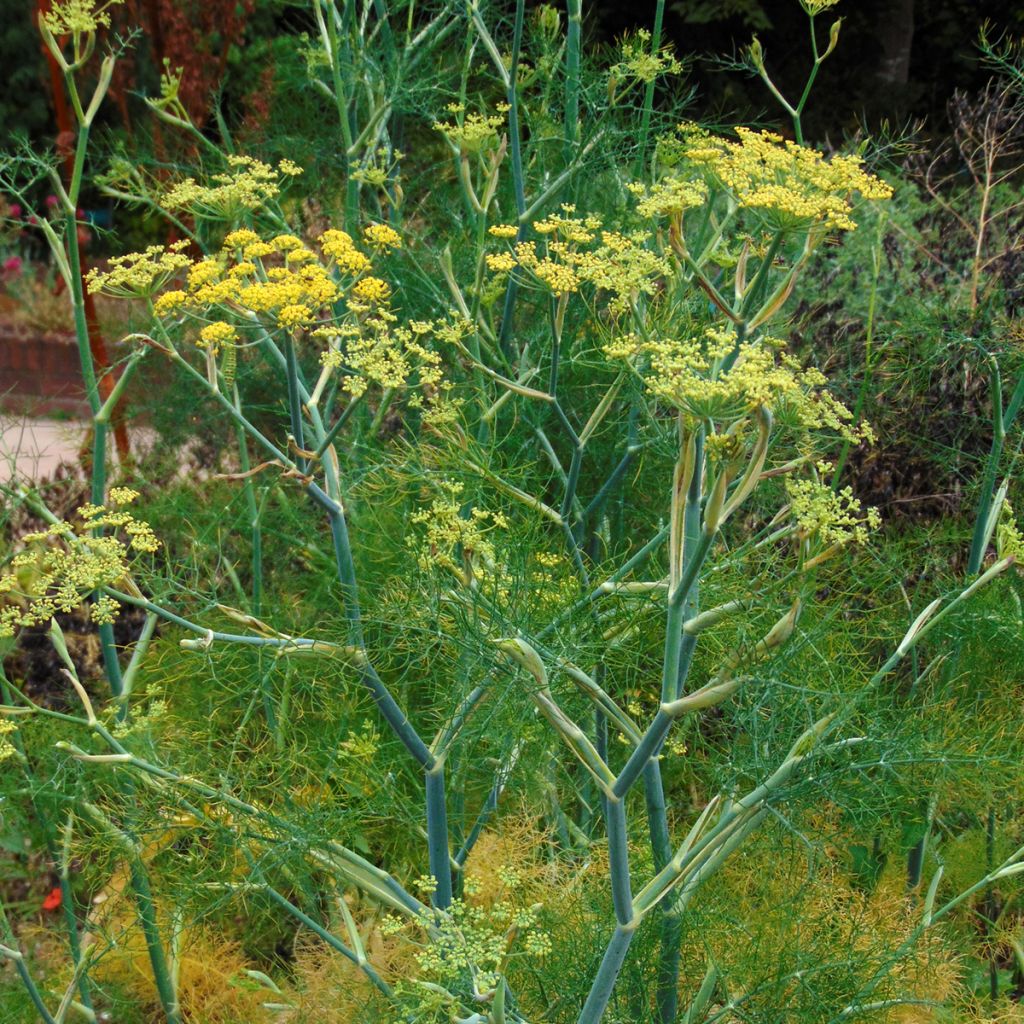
(618, 860)
(988, 480)
(574, 14)
(606, 976)
(154, 944)
(333, 941)
(255, 512)
(437, 836)
(294, 403)
(645, 117)
(518, 182)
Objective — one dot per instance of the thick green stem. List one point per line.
(618, 861)
(437, 836)
(607, 974)
(154, 944)
(78, 309)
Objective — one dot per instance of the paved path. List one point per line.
(34, 448)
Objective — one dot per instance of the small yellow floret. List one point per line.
(382, 236)
(214, 335)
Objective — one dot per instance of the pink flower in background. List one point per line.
(51, 202)
(14, 210)
(12, 266)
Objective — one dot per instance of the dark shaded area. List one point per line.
(896, 59)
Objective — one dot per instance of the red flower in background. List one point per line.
(52, 902)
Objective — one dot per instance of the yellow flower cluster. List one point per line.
(382, 236)
(449, 532)
(691, 375)
(139, 274)
(7, 748)
(214, 335)
(791, 185)
(76, 17)
(63, 563)
(622, 265)
(363, 745)
(474, 132)
(283, 281)
(248, 185)
(639, 61)
(668, 197)
(242, 280)
(339, 247)
(376, 351)
(372, 289)
(835, 517)
(474, 940)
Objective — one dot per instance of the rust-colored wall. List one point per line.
(39, 373)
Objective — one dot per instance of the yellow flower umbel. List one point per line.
(712, 378)
(139, 274)
(7, 748)
(643, 64)
(77, 17)
(576, 251)
(450, 534)
(249, 185)
(835, 519)
(788, 185)
(382, 236)
(64, 563)
(473, 132)
(214, 335)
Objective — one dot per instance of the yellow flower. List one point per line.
(788, 183)
(294, 315)
(249, 184)
(382, 236)
(138, 274)
(640, 62)
(203, 273)
(501, 262)
(75, 17)
(836, 517)
(473, 132)
(286, 242)
(240, 238)
(214, 335)
(63, 563)
(372, 289)
(338, 245)
(169, 302)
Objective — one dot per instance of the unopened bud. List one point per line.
(523, 654)
(756, 54)
(833, 37)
